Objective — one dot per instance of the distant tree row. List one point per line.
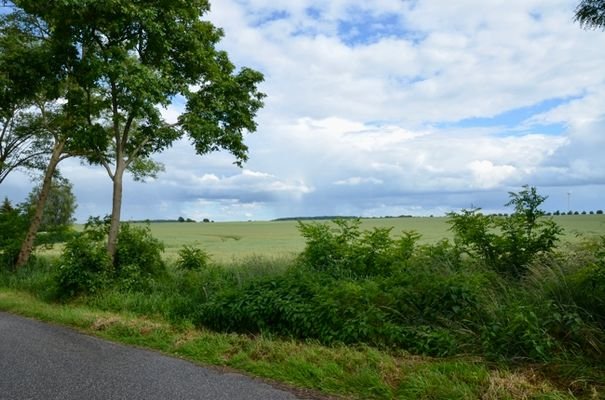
(181, 219)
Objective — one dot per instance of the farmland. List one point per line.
(227, 241)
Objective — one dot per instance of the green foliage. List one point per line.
(192, 258)
(59, 208)
(344, 250)
(85, 266)
(591, 14)
(372, 289)
(422, 310)
(508, 244)
(138, 258)
(13, 226)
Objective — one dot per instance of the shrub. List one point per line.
(587, 283)
(138, 257)
(508, 244)
(84, 266)
(192, 259)
(13, 227)
(344, 250)
(517, 332)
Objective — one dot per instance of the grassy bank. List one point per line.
(357, 372)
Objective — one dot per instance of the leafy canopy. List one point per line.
(591, 14)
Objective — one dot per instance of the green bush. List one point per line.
(587, 284)
(344, 250)
(138, 259)
(192, 259)
(84, 266)
(14, 222)
(414, 309)
(279, 304)
(508, 244)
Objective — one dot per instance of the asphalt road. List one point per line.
(41, 361)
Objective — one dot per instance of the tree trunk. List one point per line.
(28, 244)
(114, 227)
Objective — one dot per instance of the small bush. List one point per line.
(13, 227)
(84, 266)
(138, 257)
(192, 259)
(508, 244)
(344, 250)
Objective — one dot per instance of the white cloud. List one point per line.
(371, 127)
(357, 180)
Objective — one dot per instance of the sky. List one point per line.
(388, 107)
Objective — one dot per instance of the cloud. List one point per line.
(391, 107)
(357, 180)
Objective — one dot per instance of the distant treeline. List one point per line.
(333, 217)
(160, 221)
(148, 221)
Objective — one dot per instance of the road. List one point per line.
(42, 361)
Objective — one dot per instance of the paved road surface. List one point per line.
(41, 361)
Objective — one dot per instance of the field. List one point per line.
(228, 241)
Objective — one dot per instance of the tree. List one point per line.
(591, 14)
(133, 59)
(59, 208)
(32, 50)
(22, 61)
(19, 145)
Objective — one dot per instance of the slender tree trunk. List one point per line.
(28, 244)
(116, 209)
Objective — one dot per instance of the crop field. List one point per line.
(229, 241)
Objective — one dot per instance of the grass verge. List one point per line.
(309, 369)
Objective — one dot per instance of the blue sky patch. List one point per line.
(515, 120)
(361, 28)
(314, 13)
(270, 17)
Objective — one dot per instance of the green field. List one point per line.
(228, 241)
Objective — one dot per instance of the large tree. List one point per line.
(22, 62)
(129, 60)
(591, 14)
(40, 105)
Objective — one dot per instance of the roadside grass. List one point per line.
(310, 369)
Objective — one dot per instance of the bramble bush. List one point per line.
(424, 310)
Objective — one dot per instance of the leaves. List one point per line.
(591, 14)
